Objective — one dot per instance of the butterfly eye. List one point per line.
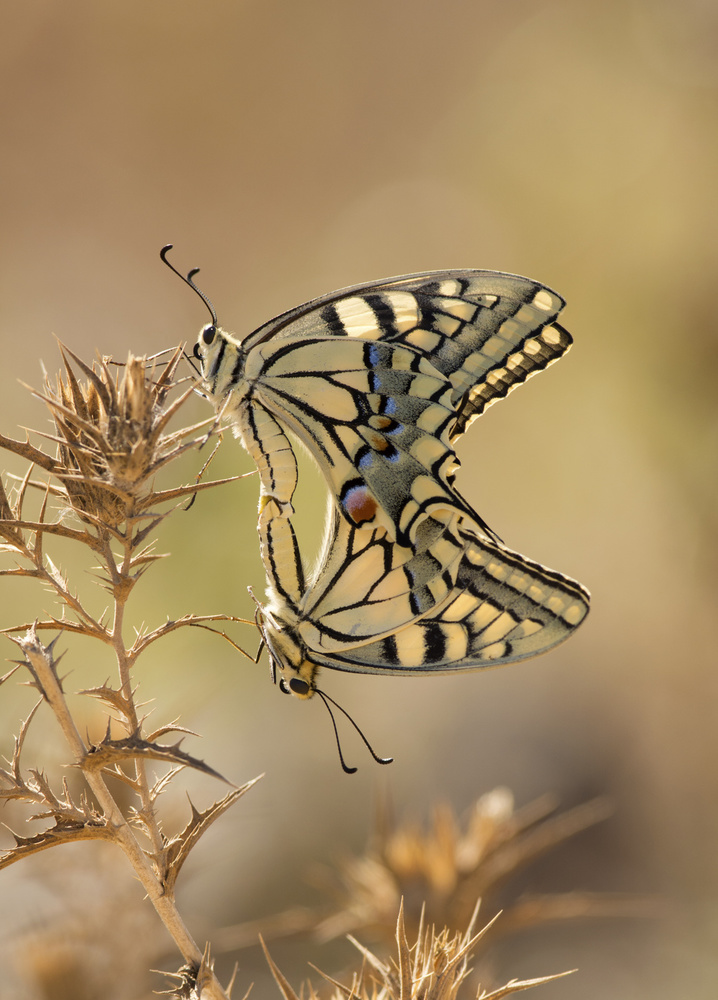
(208, 333)
(298, 686)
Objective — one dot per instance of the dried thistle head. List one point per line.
(448, 866)
(441, 871)
(434, 967)
(111, 433)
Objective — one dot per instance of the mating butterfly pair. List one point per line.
(378, 381)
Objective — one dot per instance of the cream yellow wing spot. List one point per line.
(428, 450)
(460, 608)
(410, 646)
(479, 619)
(499, 628)
(425, 340)
(545, 301)
(575, 613)
(459, 308)
(526, 628)
(449, 288)
(532, 347)
(409, 512)
(358, 318)
(455, 641)
(551, 335)
(405, 309)
(497, 651)
(333, 402)
(446, 325)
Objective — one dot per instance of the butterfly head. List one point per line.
(297, 674)
(289, 665)
(221, 361)
(207, 337)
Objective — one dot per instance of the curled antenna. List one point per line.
(188, 280)
(348, 770)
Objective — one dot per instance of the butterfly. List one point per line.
(378, 381)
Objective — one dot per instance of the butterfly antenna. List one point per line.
(345, 767)
(188, 281)
(326, 699)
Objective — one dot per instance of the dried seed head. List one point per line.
(434, 967)
(110, 434)
(444, 869)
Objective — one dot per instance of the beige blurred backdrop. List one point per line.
(292, 148)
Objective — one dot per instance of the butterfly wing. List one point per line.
(487, 331)
(492, 606)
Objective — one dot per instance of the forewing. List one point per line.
(486, 331)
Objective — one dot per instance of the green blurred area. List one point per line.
(290, 149)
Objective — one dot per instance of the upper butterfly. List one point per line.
(378, 381)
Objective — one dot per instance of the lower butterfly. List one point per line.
(378, 381)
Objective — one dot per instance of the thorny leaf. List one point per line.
(43, 657)
(163, 496)
(144, 639)
(20, 739)
(178, 849)
(8, 675)
(516, 985)
(9, 528)
(163, 781)
(25, 450)
(172, 727)
(111, 696)
(64, 625)
(55, 528)
(64, 832)
(108, 752)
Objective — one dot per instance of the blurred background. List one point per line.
(292, 148)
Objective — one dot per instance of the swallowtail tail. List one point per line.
(378, 381)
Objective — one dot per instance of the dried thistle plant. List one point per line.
(434, 968)
(439, 874)
(98, 492)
